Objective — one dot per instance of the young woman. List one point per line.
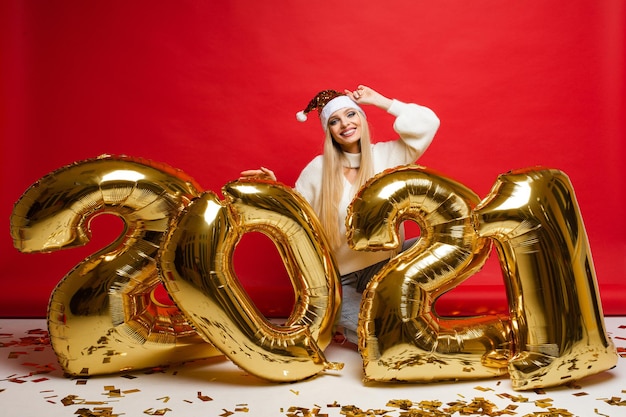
(330, 181)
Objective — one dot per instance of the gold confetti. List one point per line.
(544, 403)
(401, 404)
(131, 391)
(616, 401)
(97, 412)
(158, 412)
(115, 393)
(69, 400)
(204, 397)
(552, 412)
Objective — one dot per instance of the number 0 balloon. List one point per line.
(198, 272)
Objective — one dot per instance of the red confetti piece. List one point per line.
(17, 381)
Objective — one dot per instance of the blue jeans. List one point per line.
(353, 284)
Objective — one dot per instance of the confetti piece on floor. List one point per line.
(131, 391)
(158, 412)
(616, 401)
(204, 397)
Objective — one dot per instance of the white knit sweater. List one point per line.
(416, 126)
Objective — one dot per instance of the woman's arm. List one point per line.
(416, 125)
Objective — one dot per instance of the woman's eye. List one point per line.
(351, 114)
(333, 122)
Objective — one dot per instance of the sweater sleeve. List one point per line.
(309, 182)
(416, 125)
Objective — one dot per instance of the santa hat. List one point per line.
(327, 102)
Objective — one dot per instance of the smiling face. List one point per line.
(345, 127)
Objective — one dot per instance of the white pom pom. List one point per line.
(301, 116)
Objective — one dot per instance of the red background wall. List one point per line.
(212, 88)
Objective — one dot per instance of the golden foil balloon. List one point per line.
(534, 218)
(103, 316)
(197, 265)
(401, 338)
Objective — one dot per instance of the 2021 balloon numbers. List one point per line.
(103, 316)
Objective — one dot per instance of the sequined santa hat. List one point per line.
(327, 102)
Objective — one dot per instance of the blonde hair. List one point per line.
(333, 177)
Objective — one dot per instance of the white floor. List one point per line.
(32, 384)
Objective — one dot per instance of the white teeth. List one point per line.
(348, 132)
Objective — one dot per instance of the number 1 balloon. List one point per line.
(534, 218)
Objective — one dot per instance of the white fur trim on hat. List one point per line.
(301, 116)
(338, 103)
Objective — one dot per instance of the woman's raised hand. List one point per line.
(262, 173)
(366, 95)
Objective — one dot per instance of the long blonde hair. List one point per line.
(333, 177)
